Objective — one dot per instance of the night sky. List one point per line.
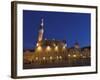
(72, 27)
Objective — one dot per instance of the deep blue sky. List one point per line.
(72, 27)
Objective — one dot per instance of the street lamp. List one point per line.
(48, 48)
(74, 56)
(36, 58)
(56, 48)
(69, 55)
(60, 57)
(44, 58)
(51, 58)
(39, 48)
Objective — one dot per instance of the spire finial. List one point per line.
(42, 22)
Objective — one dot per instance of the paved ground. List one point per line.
(71, 63)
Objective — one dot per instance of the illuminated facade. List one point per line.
(55, 52)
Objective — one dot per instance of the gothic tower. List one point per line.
(41, 31)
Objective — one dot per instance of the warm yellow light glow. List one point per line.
(48, 48)
(74, 56)
(64, 47)
(36, 58)
(56, 48)
(43, 58)
(54, 44)
(51, 58)
(69, 55)
(39, 48)
(57, 57)
(60, 57)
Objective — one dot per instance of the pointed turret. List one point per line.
(41, 31)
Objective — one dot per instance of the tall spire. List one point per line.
(41, 31)
(42, 22)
